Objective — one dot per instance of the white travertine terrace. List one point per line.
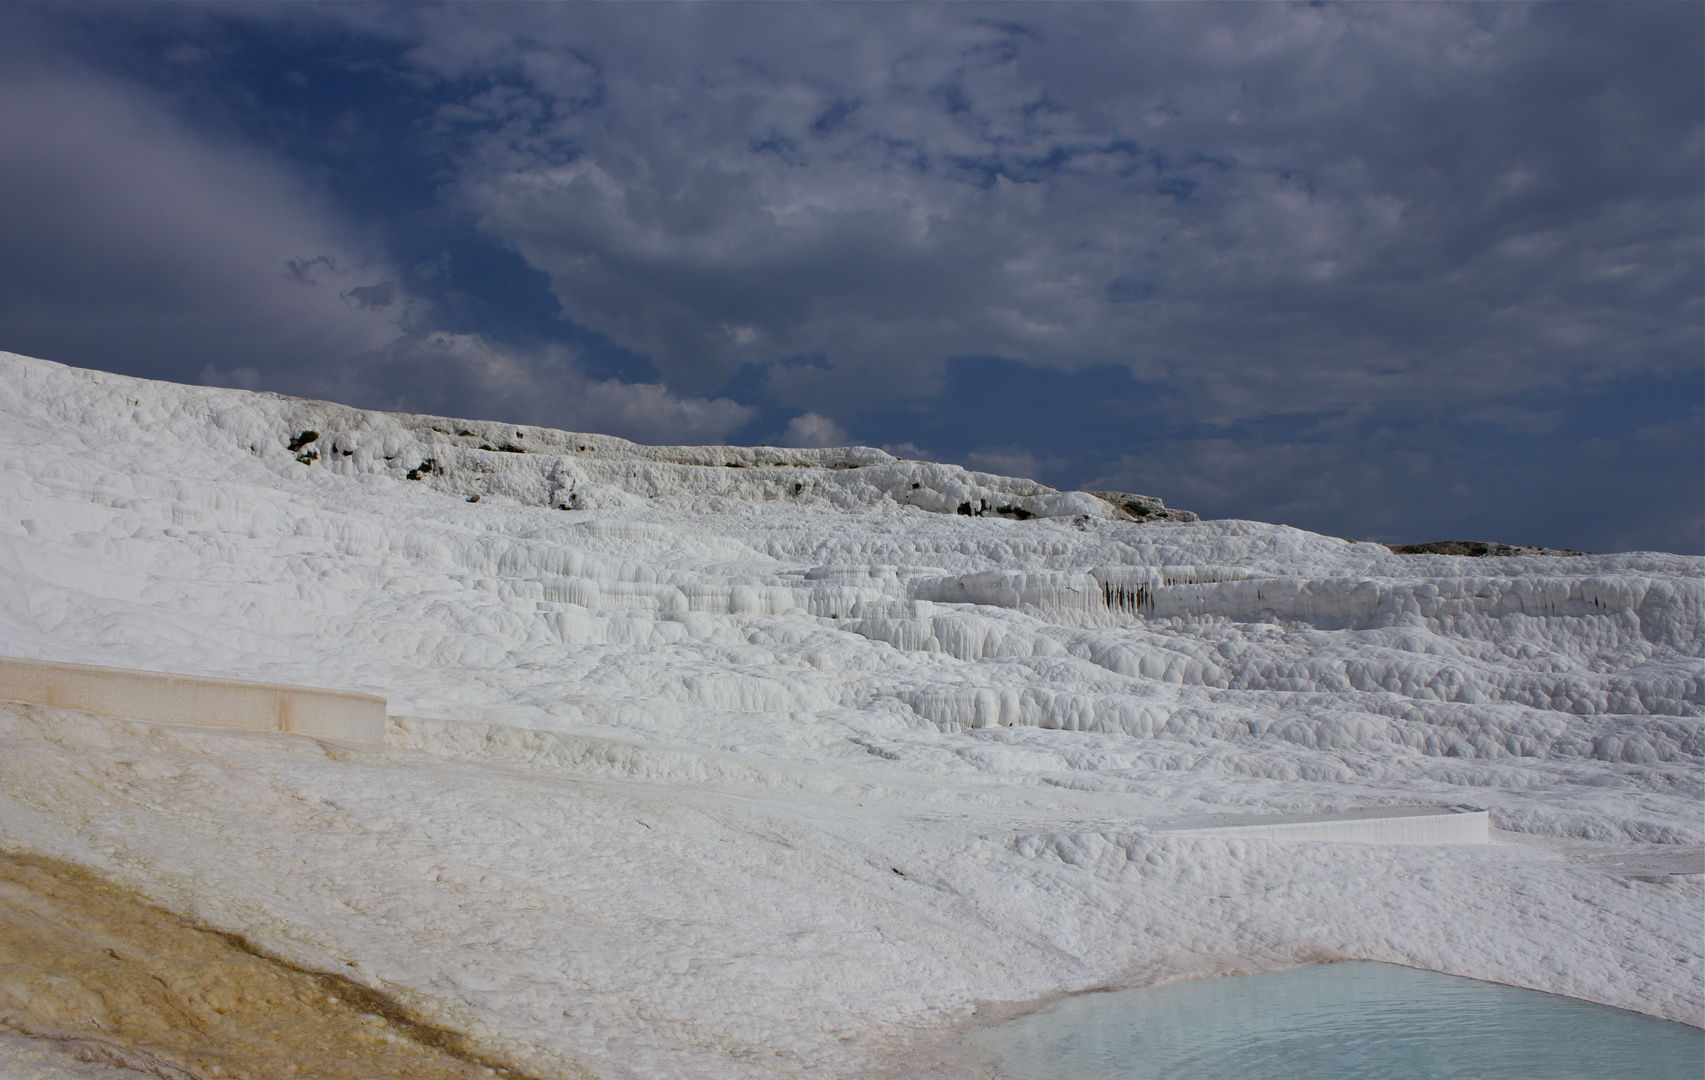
(761, 763)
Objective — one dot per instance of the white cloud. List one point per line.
(466, 375)
(907, 451)
(810, 429)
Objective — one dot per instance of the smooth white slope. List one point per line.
(746, 771)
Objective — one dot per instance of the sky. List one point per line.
(1384, 271)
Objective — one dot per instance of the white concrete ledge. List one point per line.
(191, 699)
(1392, 825)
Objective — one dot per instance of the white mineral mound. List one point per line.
(721, 762)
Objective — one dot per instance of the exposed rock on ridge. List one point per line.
(1476, 548)
(1143, 507)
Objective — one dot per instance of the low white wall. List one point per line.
(191, 699)
(1407, 826)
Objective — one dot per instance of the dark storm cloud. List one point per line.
(135, 240)
(1621, 482)
(1273, 208)
(1269, 260)
(121, 226)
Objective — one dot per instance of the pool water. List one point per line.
(1349, 1021)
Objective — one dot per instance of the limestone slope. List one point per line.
(713, 762)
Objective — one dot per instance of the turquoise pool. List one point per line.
(1350, 1021)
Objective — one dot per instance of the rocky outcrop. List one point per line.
(1142, 507)
(1476, 548)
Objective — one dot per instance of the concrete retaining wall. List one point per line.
(191, 699)
(1405, 825)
